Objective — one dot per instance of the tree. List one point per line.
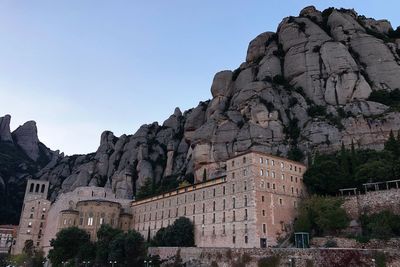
(70, 244)
(382, 225)
(179, 234)
(128, 249)
(104, 237)
(321, 216)
(393, 145)
(147, 189)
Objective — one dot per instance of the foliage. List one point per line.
(272, 261)
(350, 168)
(316, 110)
(179, 234)
(331, 244)
(321, 216)
(380, 259)
(147, 189)
(388, 98)
(104, 237)
(73, 245)
(382, 225)
(295, 154)
(70, 244)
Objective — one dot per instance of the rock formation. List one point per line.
(5, 134)
(303, 89)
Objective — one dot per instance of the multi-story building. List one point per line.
(33, 215)
(252, 204)
(7, 236)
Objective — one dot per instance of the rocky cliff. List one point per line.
(22, 155)
(305, 88)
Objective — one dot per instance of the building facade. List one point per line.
(7, 236)
(252, 204)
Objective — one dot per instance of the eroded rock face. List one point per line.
(330, 61)
(5, 134)
(26, 138)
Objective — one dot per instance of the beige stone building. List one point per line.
(252, 204)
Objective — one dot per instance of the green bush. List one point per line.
(382, 225)
(316, 110)
(179, 234)
(388, 98)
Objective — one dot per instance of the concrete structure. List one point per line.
(251, 204)
(8, 233)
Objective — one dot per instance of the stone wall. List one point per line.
(372, 202)
(225, 257)
(341, 242)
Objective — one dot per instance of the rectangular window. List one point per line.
(246, 239)
(223, 216)
(262, 198)
(263, 213)
(213, 218)
(244, 172)
(245, 185)
(233, 163)
(234, 216)
(272, 162)
(233, 239)
(261, 160)
(233, 229)
(90, 221)
(261, 172)
(233, 175)
(214, 192)
(245, 228)
(280, 201)
(264, 228)
(233, 188)
(223, 190)
(273, 174)
(223, 229)
(245, 214)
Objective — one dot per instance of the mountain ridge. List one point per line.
(321, 80)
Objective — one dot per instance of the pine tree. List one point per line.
(393, 145)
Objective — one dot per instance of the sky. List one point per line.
(78, 68)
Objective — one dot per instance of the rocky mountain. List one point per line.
(21, 156)
(322, 79)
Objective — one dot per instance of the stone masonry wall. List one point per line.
(372, 202)
(225, 257)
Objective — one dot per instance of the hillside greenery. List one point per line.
(321, 216)
(350, 168)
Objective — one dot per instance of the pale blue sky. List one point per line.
(80, 67)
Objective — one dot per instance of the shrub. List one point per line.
(382, 225)
(316, 110)
(388, 98)
(330, 244)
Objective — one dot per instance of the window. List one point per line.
(245, 228)
(266, 161)
(223, 229)
(233, 203)
(268, 185)
(223, 216)
(31, 216)
(101, 221)
(28, 231)
(245, 185)
(194, 196)
(194, 209)
(292, 190)
(244, 159)
(223, 190)
(261, 160)
(296, 179)
(184, 211)
(295, 168)
(204, 194)
(233, 188)
(81, 221)
(44, 209)
(90, 219)
(261, 172)
(282, 176)
(233, 229)
(245, 214)
(284, 188)
(273, 174)
(234, 216)
(213, 220)
(263, 213)
(272, 162)
(245, 201)
(266, 173)
(33, 209)
(214, 192)
(233, 163)
(213, 205)
(204, 219)
(280, 201)
(244, 172)
(223, 204)
(30, 224)
(299, 169)
(282, 165)
(204, 207)
(233, 175)
(246, 239)
(213, 232)
(233, 239)
(290, 166)
(264, 228)
(291, 178)
(262, 198)
(273, 186)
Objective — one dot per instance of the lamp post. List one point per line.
(147, 263)
(290, 262)
(86, 263)
(373, 262)
(112, 263)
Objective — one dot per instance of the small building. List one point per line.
(8, 233)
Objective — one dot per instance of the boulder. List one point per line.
(221, 83)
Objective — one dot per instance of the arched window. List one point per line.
(245, 201)
(37, 188)
(90, 219)
(42, 190)
(31, 188)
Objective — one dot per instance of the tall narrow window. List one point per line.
(233, 188)
(245, 201)
(204, 207)
(90, 219)
(264, 228)
(223, 217)
(234, 203)
(234, 216)
(223, 190)
(223, 204)
(223, 229)
(213, 205)
(213, 218)
(245, 185)
(245, 214)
